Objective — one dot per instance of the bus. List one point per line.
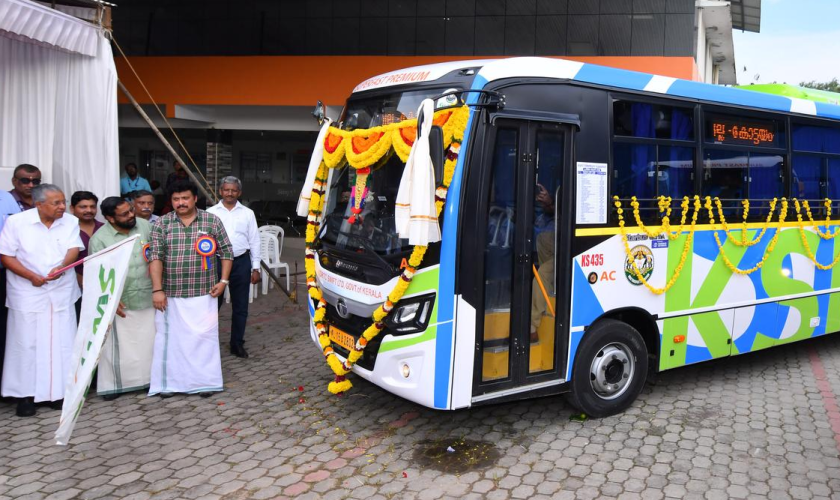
(598, 226)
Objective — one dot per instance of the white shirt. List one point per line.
(40, 249)
(241, 228)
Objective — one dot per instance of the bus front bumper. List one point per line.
(407, 372)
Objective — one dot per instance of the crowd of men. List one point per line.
(165, 338)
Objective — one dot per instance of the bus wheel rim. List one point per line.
(612, 371)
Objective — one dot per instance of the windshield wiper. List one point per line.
(369, 248)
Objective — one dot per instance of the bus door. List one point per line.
(518, 191)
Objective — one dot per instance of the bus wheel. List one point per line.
(610, 369)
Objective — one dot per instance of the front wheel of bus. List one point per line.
(610, 369)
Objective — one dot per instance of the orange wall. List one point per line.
(301, 81)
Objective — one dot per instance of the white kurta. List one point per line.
(126, 359)
(186, 355)
(42, 320)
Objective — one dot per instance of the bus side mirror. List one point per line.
(436, 152)
(320, 113)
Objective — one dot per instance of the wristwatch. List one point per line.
(224, 281)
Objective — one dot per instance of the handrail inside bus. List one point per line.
(539, 116)
(498, 104)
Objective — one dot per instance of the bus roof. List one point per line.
(794, 91)
(538, 67)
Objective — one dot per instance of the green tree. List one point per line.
(832, 86)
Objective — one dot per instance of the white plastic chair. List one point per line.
(270, 250)
(272, 230)
(253, 291)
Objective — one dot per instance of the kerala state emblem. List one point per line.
(643, 258)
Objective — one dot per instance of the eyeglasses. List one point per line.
(26, 180)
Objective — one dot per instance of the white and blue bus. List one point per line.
(541, 284)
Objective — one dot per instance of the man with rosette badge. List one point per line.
(185, 245)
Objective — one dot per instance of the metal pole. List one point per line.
(292, 294)
(201, 187)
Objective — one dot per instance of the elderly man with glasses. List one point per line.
(24, 179)
(42, 321)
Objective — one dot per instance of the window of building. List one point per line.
(255, 166)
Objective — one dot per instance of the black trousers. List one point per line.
(240, 280)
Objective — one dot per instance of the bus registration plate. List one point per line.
(342, 338)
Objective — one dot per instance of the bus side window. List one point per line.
(806, 177)
(725, 175)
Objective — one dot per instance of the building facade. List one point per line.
(238, 79)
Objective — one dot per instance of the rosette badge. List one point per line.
(206, 247)
(147, 252)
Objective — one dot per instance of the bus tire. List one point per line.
(610, 369)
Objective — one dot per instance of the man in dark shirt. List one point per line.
(24, 179)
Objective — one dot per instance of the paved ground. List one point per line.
(765, 425)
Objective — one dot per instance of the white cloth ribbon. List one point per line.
(415, 213)
(314, 163)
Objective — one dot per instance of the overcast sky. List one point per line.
(799, 41)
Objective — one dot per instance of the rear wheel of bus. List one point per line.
(610, 368)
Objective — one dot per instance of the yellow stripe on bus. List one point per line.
(610, 231)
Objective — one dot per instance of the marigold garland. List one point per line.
(805, 243)
(664, 204)
(743, 242)
(361, 149)
(770, 246)
(686, 246)
(824, 235)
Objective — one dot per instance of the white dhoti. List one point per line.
(125, 364)
(39, 348)
(186, 354)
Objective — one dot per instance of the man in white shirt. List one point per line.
(42, 321)
(241, 227)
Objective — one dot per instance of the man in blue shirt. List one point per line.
(8, 206)
(132, 181)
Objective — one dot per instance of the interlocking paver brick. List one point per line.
(749, 427)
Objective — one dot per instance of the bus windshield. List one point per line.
(376, 230)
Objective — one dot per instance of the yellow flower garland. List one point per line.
(368, 149)
(664, 204)
(686, 247)
(767, 251)
(807, 246)
(743, 242)
(824, 235)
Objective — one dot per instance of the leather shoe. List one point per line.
(205, 394)
(111, 397)
(26, 407)
(166, 395)
(238, 351)
(56, 405)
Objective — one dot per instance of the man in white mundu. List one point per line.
(125, 361)
(42, 319)
(185, 245)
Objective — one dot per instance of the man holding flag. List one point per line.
(184, 250)
(126, 359)
(42, 320)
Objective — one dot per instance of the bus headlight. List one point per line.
(411, 315)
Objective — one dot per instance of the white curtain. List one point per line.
(58, 108)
